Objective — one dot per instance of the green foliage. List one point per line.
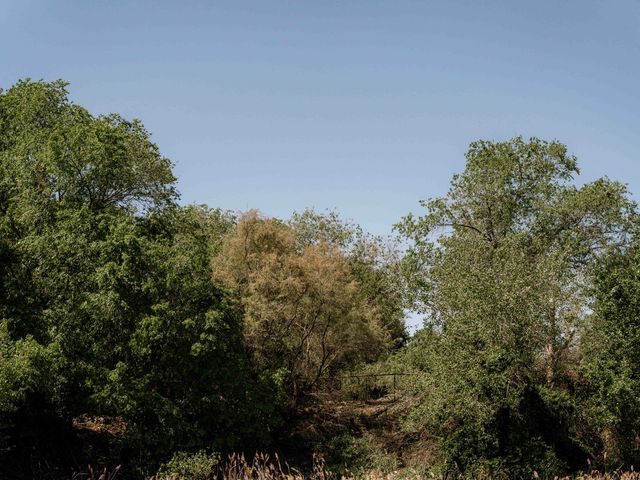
(198, 330)
(108, 303)
(196, 466)
(374, 262)
(20, 369)
(55, 154)
(611, 349)
(347, 454)
(500, 266)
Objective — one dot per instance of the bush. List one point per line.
(190, 466)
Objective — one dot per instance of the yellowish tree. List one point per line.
(304, 315)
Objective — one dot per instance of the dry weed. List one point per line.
(262, 467)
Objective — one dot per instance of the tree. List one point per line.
(179, 372)
(374, 262)
(304, 314)
(108, 306)
(610, 352)
(55, 152)
(500, 267)
(55, 157)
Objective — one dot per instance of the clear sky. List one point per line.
(363, 106)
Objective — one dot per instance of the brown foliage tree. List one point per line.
(304, 314)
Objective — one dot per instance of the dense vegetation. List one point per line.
(190, 333)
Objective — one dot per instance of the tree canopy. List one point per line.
(188, 332)
(306, 314)
(501, 267)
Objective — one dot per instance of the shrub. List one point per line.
(190, 466)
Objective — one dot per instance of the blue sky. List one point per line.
(363, 106)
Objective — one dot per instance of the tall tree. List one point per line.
(500, 267)
(374, 261)
(304, 314)
(108, 306)
(610, 354)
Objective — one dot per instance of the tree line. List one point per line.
(207, 330)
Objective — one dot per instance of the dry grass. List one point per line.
(266, 467)
(400, 475)
(91, 474)
(611, 476)
(262, 467)
(404, 475)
